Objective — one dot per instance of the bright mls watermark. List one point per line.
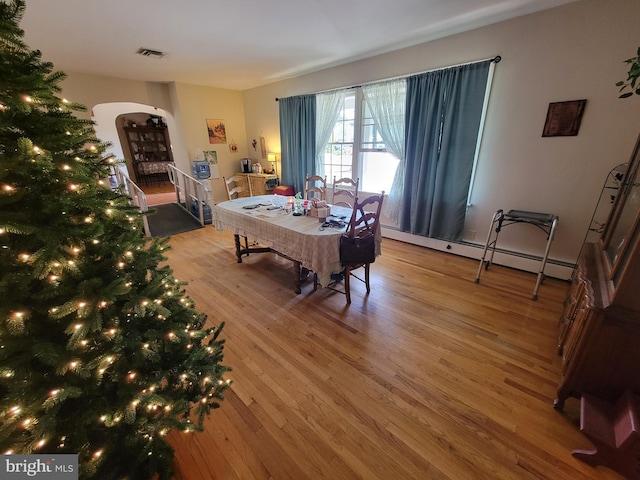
(50, 467)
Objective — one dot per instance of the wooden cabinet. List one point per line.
(150, 153)
(262, 183)
(599, 331)
(572, 306)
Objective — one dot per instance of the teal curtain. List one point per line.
(297, 139)
(443, 113)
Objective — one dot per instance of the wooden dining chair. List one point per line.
(358, 244)
(315, 187)
(345, 191)
(237, 186)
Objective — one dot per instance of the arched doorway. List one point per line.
(108, 118)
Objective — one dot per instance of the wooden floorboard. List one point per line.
(429, 377)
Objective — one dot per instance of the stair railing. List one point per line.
(136, 196)
(192, 194)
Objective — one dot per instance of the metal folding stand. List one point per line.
(545, 221)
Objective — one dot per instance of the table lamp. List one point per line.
(271, 158)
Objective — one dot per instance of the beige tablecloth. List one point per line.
(299, 238)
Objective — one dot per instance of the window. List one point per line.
(338, 154)
(377, 166)
(356, 149)
(442, 112)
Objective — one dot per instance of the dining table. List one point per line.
(312, 244)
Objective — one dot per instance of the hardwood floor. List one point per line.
(161, 198)
(430, 377)
(159, 193)
(157, 187)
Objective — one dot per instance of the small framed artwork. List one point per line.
(211, 156)
(217, 131)
(563, 118)
(263, 148)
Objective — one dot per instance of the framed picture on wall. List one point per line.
(563, 118)
(217, 131)
(211, 156)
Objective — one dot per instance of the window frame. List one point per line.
(357, 157)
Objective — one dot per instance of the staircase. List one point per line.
(192, 195)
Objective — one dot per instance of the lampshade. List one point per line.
(271, 158)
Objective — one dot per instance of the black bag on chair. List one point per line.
(357, 250)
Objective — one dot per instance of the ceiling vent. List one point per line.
(147, 52)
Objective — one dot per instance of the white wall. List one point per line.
(92, 90)
(567, 53)
(186, 108)
(194, 105)
(108, 97)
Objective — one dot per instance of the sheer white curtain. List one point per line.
(386, 102)
(328, 108)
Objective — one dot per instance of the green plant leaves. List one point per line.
(632, 77)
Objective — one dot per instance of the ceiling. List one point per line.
(241, 44)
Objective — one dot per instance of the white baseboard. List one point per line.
(553, 268)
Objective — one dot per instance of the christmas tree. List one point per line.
(101, 351)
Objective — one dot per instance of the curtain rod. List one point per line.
(495, 59)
